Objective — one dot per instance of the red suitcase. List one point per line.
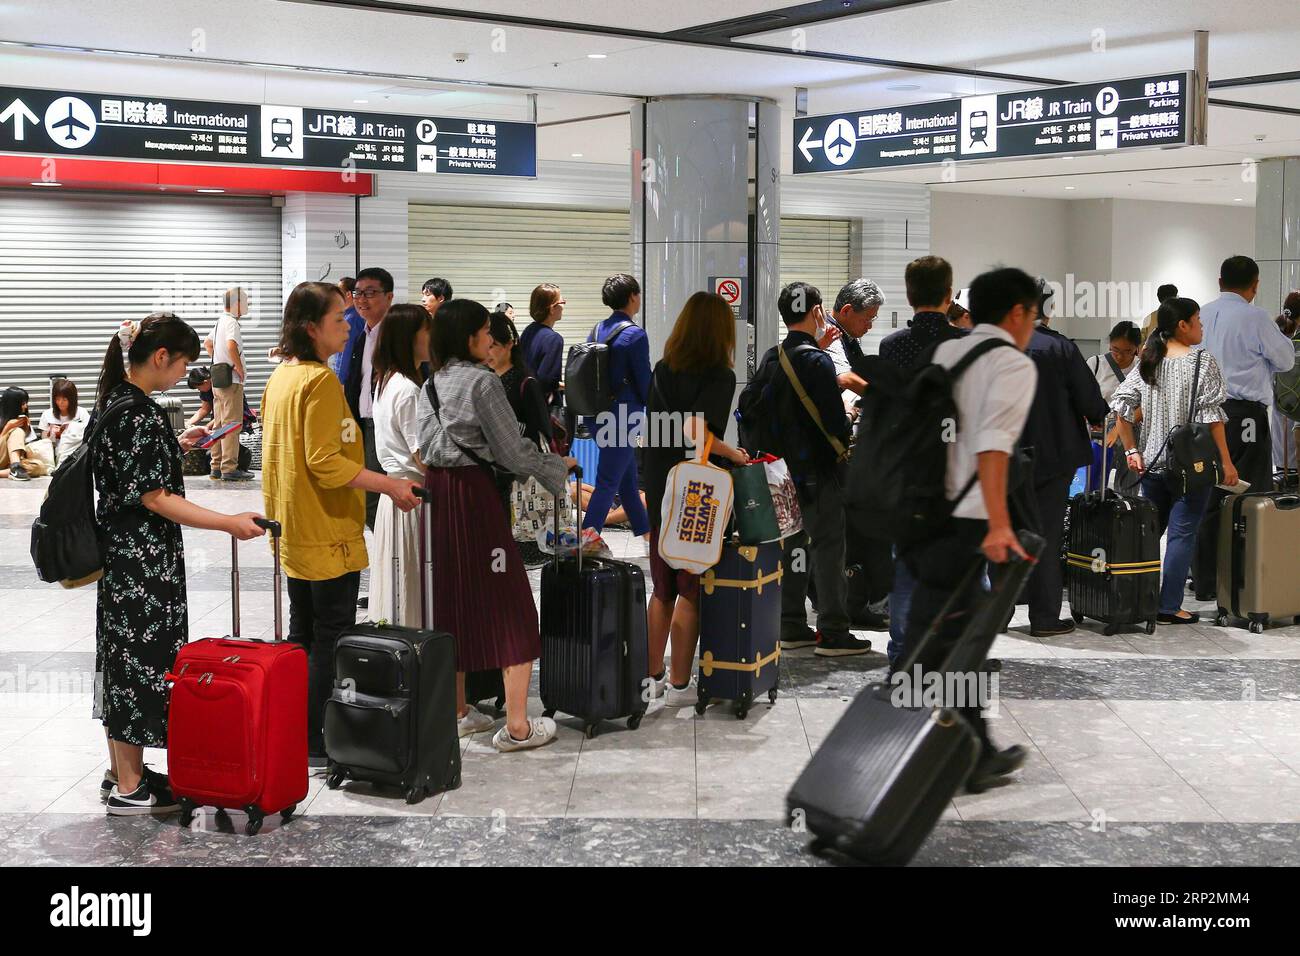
(237, 725)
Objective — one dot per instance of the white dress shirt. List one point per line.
(1248, 346)
(367, 365)
(993, 398)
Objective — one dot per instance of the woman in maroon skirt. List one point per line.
(480, 590)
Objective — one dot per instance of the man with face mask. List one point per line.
(797, 408)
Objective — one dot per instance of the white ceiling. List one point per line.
(1030, 37)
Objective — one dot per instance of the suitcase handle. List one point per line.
(577, 497)
(275, 529)
(426, 561)
(423, 494)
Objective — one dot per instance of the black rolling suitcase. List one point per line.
(740, 626)
(392, 716)
(595, 648)
(1112, 559)
(879, 782)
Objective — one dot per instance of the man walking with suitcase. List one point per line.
(1250, 349)
(993, 397)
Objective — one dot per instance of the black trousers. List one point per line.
(1251, 447)
(941, 566)
(1044, 588)
(372, 463)
(319, 613)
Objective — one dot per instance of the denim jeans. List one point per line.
(900, 605)
(1181, 516)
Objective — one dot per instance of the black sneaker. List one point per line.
(995, 764)
(841, 645)
(865, 619)
(807, 639)
(144, 800)
(18, 473)
(1063, 626)
(237, 475)
(216, 474)
(107, 784)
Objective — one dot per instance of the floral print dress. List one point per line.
(142, 615)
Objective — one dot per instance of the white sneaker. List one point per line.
(474, 722)
(686, 697)
(541, 731)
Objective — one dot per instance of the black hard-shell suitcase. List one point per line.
(392, 716)
(1112, 559)
(595, 646)
(740, 626)
(879, 782)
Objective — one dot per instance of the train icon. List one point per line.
(281, 133)
(979, 127)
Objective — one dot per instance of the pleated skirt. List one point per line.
(481, 593)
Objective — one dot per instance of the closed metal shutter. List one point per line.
(491, 252)
(816, 251)
(498, 253)
(74, 266)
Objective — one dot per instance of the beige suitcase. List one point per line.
(1258, 575)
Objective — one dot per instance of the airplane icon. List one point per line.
(72, 124)
(839, 143)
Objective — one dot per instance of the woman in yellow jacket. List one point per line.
(314, 481)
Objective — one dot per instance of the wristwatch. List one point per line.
(1130, 453)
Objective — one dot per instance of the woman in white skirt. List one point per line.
(399, 359)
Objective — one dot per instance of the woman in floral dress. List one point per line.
(141, 616)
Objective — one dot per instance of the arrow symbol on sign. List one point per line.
(18, 111)
(807, 142)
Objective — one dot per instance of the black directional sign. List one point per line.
(58, 123)
(1083, 118)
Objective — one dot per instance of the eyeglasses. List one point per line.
(367, 293)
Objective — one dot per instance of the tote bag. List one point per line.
(696, 509)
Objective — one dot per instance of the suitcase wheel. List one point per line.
(255, 819)
(1257, 627)
(454, 784)
(701, 704)
(1110, 630)
(288, 812)
(771, 696)
(335, 779)
(500, 704)
(1078, 618)
(743, 705)
(415, 795)
(1221, 618)
(634, 721)
(187, 811)
(1151, 627)
(1296, 619)
(549, 712)
(591, 731)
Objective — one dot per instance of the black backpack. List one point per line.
(587, 388)
(769, 416)
(896, 487)
(66, 544)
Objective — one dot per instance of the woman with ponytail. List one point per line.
(1159, 397)
(141, 616)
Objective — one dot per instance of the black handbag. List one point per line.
(1193, 452)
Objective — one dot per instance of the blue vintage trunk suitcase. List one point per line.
(740, 626)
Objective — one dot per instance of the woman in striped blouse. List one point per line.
(1159, 397)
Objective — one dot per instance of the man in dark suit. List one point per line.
(1066, 397)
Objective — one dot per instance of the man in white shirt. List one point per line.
(993, 397)
(226, 346)
(373, 297)
(1250, 350)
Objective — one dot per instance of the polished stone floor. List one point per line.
(1182, 747)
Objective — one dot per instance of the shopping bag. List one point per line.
(785, 499)
(755, 513)
(696, 508)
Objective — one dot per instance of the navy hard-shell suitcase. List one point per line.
(595, 647)
(1112, 559)
(391, 718)
(740, 626)
(879, 782)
